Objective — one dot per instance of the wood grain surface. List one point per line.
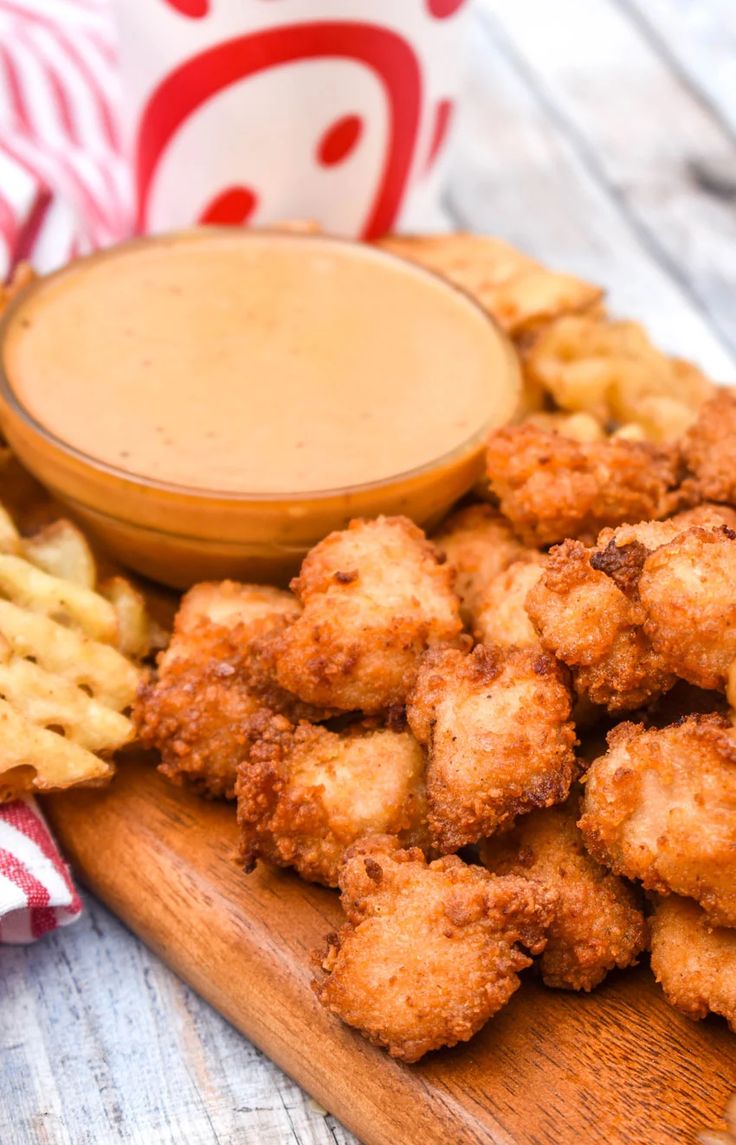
(616, 1066)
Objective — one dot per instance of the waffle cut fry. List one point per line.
(67, 673)
(610, 370)
(516, 290)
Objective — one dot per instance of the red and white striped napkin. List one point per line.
(64, 186)
(64, 190)
(36, 890)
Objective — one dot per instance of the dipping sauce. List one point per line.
(255, 363)
(213, 403)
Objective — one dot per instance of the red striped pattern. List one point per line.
(65, 186)
(63, 190)
(36, 891)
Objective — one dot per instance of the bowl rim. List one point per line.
(467, 446)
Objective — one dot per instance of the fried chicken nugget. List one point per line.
(707, 514)
(375, 597)
(660, 806)
(694, 963)
(478, 543)
(598, 922)
(587, 621)
(212, 607)
(590, 612)
(709, 450)
(500, 616)
(305, 793)
(687, 589)
(552, 488)
(209, 682)
(653, 534)
(429, 952)
(499, 737)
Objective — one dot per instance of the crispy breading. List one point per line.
(694, 963)
(429, 952)
(651, 601)
(708, 515)
(660, 806)
(551, 488)
(210, 680)
(709, 449)
(478, 543)
(229, 602)
(649, 534)
(587, 621)
(687, 589)
(375, 597)
(500, 616)
(653, 534)
(499, 737)
(222, 605)
(598, 922)
(306, 793)
(516, 290)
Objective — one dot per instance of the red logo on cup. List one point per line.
(387, 55)
(194, 8)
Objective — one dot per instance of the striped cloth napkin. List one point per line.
(36, 890)
(64, 186)
(64, 190)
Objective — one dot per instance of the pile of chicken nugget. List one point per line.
(510, 742)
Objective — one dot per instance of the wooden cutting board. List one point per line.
(618, 1067)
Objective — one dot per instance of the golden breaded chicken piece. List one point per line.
(660, 806)
(552, 488)
(707, 514)
(586, 619)
(687, 589)
(429, 952)
(210, 681)
(375, 597)
(694, 963)
(598, 922)
(305, 793)
(222, 605)
(653, 534)
(499, 737)
(649, 534)
(709, 450)
(478, 544)
(500, 616)
(516, 290)
(589, 611)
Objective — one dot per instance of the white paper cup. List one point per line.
(256, 111)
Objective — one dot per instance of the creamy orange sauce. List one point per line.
(255, 363)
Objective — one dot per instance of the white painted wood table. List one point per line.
(600, 135)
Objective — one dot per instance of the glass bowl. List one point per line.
(178, 535)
